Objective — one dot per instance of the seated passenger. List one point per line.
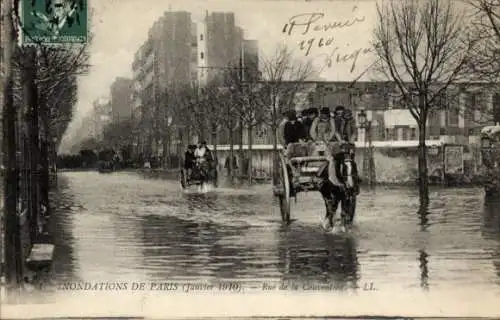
(208, 154)
(189, 159)
(293, 131)
(323, 127)
(308, 118)
(203, 157)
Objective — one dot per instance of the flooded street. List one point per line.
(121, 227)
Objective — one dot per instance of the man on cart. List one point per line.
(292, 132)
(189, 160)
(204, 158)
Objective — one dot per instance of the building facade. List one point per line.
(224, 42)
(251, 60)
(101, 116)
(121, 100)
(459, 120)
(179, 53)
(164, 64)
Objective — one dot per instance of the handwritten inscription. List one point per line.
(344, 55)
(312, 22)
(318, 33)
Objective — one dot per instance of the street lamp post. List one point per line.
(368, 159)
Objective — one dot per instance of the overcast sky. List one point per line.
(121, 26)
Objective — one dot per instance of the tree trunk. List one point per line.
(231, 154)
(32, 124)
(45, 176)
(250, 155)
(12, 252)
(423, 176)
(45, 154)
(214, 143)
(241, 151)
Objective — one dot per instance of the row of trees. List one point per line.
(40, 91)
(236, 100)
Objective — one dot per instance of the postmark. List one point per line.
(53, 22)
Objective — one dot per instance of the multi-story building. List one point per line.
(251, 60)
(121, 100)
(165, 63)
(180, 53)
(101, 116)
(224, 42)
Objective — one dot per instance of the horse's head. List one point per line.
(347, 166)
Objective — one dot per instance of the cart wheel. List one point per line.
(282, 188)
(182, 179)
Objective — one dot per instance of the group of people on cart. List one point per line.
(321, 126)
(198, 160)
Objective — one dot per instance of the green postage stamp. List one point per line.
(49, 22)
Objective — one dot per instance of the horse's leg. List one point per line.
(331, 202)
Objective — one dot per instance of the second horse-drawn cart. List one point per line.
(303, 167)
(203, 172)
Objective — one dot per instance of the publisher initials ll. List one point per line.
(369, 287)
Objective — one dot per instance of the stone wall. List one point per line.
(391, 165)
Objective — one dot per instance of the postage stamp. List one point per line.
(49, 22)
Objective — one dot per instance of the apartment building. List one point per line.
(121, 99)
(101, 116)
(224, 41)
(165, 63)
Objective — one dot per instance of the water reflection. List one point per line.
(491, 228)
(306, 252)
(423, 259)
(423, 213)
(64, 205)
(491, 217)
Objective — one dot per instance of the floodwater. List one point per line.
(121, 228)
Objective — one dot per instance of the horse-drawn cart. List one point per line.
(304, 167)
(203, 172)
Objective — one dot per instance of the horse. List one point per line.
(345, 194)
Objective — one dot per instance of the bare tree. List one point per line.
(249, 109)
(485, 31)
(421, 48)
(284, 76)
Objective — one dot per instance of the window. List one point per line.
(453, 117)
(413, 134)
(202, 55)
(388, 134)
(201, 37)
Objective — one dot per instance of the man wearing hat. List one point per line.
(292, 130)
(344, 124)
(323, 127)
(189, 159)
(309, 115)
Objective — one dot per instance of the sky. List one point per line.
(119, 28)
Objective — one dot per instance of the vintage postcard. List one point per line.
(254, 158)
